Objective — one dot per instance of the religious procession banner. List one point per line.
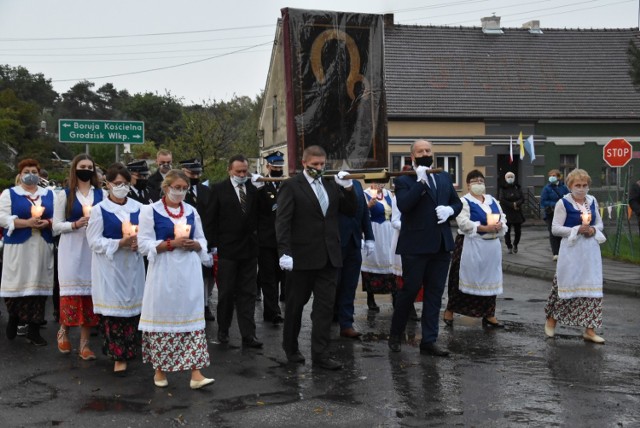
(334, 70)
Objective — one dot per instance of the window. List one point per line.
(567, 164)
(450, 164)
(400, 160)
(274, 112)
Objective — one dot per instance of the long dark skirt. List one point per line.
(120, 339)
(28, 309)
(462, 303)
(378, 283)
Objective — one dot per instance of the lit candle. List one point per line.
(37, 211)
(586, 217)
(493, 219)
(86, 210)
(181, 230)
(129, 229)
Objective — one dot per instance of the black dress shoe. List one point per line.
(515, 249)
(433, 349)
(327, 363)
(208, 315)
(223, 337)
(394, 343)
(251, 342)
(296, 357)
(489, 324)
(277, 320)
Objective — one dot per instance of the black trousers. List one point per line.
(553, 240)
(269, 277)
(300, 285)
(237, 288)
(517, 230)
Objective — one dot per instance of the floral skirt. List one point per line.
(77, 310)
(378, 283)
(172, 352)
(28, 309)
(462, 303)
(579, 311)
(120, 337)
(400, 284)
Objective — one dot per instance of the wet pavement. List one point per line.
(513, 377)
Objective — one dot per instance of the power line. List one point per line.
(172, 33)
(471, 11)
(160, 68)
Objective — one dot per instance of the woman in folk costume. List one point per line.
(377, 272)
(73, 207)
(172, 319)
(475, 275)
(117, 275)
(26, 211)
(576, 293)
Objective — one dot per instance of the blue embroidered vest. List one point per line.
(377, 211)
(21, 207)
(573, 215)
(164, 226)
(112, 226)
(76, 208)
(478, 214)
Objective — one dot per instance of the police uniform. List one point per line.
(198, 196)
(269, 273)
(140, 191)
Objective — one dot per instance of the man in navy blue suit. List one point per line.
(353, 229)
(427, 201)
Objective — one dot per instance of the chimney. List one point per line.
(533, 26)
(491, 25)
(388, 20)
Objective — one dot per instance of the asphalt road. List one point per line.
(513, 377)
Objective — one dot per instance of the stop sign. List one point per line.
(617, 152)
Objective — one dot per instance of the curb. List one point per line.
(610, 286)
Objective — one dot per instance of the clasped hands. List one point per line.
(36, 223)
(586, 230)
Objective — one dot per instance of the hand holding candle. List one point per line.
(86, 210)
(586, 217)
(493, 219)
(129, 229)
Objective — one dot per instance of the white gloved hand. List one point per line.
(369, 247)
(286, 262)
(256, 183)
(443, 212)
(421, 172)
(344, 183)
(214, 251)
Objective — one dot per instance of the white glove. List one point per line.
(341, 182)
(421, 172)
(214, 251)
(286, 262)
(443, 212)
(256, 183)
(369, 247)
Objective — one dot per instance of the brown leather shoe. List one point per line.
(350, 332)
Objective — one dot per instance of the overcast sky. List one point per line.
(230, 41)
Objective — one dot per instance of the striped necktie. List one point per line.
(243, 198)
(322, 197)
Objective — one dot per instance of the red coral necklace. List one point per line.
(166, 208)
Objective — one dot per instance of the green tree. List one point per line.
(28, 87)
(634, 61)
(162, 115)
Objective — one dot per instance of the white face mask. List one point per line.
(120, 191)
(176, 196)
(478, 189)
(510, 180)
(579, 193)
(239, 180)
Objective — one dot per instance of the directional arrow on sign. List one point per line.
(66, 125)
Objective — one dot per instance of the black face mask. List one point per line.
(275, 173)
(84, 174)
(194, 181)
(424, 161)
(141, 183)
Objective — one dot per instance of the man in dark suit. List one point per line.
(426, 201)
(269, 273)
(309, 247)
(139, 181)
(199, 196)
(353, 229)
(164, 160)
(232, 224)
